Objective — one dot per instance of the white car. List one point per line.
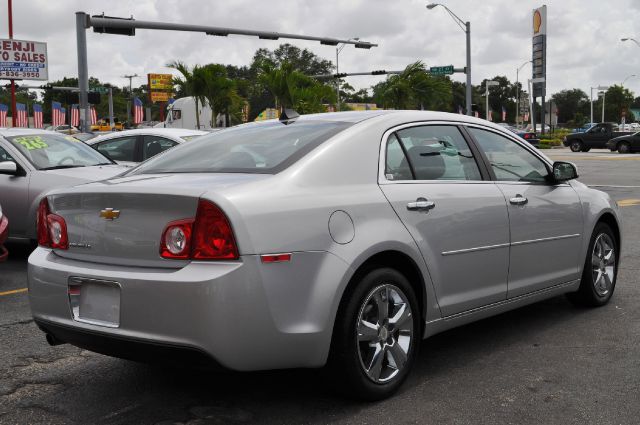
(64, 128)
(130, 147)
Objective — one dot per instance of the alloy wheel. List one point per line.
(603, 264)
(384, 333)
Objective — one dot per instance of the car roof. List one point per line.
(170, 132)
(22, 131)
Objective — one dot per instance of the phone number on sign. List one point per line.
(19, 74)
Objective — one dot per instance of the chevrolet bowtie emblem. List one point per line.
(109, 214)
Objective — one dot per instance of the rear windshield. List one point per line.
(53, 150)
(256, 148)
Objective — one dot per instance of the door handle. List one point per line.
(421, 204)
(518, 200)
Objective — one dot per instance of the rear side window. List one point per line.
(153, 145)
(430, 152)
(120, 149)
(255, 148)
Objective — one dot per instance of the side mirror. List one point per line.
(563, 171)
(8, 167)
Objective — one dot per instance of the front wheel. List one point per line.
(600, 269)
(376, 336)
(575, 146)
(623, 147)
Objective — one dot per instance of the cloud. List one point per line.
(584, 36)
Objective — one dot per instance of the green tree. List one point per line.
(191, 84)
(570, 103)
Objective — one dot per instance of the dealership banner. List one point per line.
(23, 60)
(160, 87)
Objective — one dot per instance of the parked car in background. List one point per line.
(4, 233)
(273, 245)
(32, 162)
(529, 136)
(625, 144)
(64, 128)
(105, 125)
(133, 146)
(596, 137)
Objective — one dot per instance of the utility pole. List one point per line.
(111, 123)
(83, 71)
(13, 82)
(129, 102)
(338, 50)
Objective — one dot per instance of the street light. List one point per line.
(630, 39)
(487, 85)
(130, 102)
(338, 50)
(466, 27)
(518, 91)
(599, 88)
(625, 80)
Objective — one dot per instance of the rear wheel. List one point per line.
(624, 147)
(575, 146)
(376, 336)
(600, 269)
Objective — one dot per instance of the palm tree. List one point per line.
(293, 89)
(220, 91)
(191, 83)
(415, 88)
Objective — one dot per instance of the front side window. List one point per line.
(253, 148)
(51, 151)
(4, 155)
(119, 149)
(510, 161)
(432, 152)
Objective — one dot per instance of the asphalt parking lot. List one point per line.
(547, 363)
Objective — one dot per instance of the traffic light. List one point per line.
(113, 30)
(379, 72)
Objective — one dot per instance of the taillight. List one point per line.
(208, 237)
(52, 229)
(212, 234)
(176, 240)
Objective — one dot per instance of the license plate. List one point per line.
(94, 301)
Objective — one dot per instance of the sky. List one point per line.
(584, 47)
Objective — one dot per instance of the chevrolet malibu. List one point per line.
(336, 239)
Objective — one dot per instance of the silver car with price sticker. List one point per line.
(33, 162)
(337, 239)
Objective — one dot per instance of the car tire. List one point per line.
(368, 343)
(624, 147)
(575, 146)
(600, 269)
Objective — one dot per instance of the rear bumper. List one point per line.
(244, 315)
(4, 233)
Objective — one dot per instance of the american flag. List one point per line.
(94, 115)
(476, 114)
(75, 115)
(21, 116)
(504, 114)
(526, 116)
(137, 111)
(490, 115)
(37, 116)
(4, 109)
(63, 113)
(57, 116)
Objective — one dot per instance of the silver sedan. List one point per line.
(332, 239)
(32, 162)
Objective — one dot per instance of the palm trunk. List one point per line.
(197, 114)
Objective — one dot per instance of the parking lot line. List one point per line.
(628, 202)
(596, 158)
(14, 291)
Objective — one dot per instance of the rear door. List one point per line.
(458, 218)
(545, 218)
(120, 149)
(152, 145)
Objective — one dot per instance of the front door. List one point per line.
(457, 218)
(14, 194)
(545, 218)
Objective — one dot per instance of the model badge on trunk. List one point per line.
(109, 214)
